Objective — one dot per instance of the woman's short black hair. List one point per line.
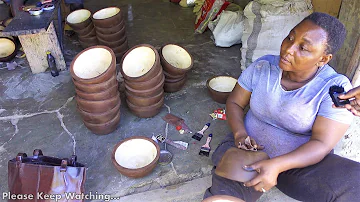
(335, 30)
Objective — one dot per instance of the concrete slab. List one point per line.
(38, 111)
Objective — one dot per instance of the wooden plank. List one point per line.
(331, 7)
(35, 47)
(354, 61)
(356, 79)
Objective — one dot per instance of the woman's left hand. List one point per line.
(267, 177)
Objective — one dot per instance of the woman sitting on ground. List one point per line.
(291, 114)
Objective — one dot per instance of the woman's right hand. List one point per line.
(247, 143)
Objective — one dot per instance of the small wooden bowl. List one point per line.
(101, 106)
(104, 128)
(175, 59)
(135, 156)
(107, 17)
(95, 64)
(99, 118)
(104, 95)
(79, 19)
(140, 63)
(220, 87)
(8, 49)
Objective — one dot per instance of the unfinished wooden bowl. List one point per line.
(232, 162)
(122, 48)
(172, 77)
(92, 33)
(135, 156)
(174, 87)
(104, 95)
(111, 30)
(104, 128)
(88, 45)
(144, 101)
(95, 64)
(220, 87)
(112, 37)
(175, 59)
(79, 19)
(147, 92)
(99, 118)
(8, 49)
(146, 111)
(107, 17)
(99, 106)
(145, 85)
(96, 88)
(140, 63)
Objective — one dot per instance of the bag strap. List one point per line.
(20, 156)
(64, 164)
(37, 153)
(73, 160)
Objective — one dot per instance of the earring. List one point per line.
(317, 64)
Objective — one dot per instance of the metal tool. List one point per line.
(197, 136)
(162, 139)
(165, 156)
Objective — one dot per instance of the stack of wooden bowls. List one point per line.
(110, 30)
(98, 100)
(144, 80)
(80, 22)
(176, 62)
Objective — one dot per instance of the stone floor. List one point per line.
(38, 111)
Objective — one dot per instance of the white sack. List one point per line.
(227, 28)
(267, 23)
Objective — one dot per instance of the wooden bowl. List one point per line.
(147, 92)
(169, 76)
(95, 64)
(146, 85)
(222, 198)
(8, 49)
(174, 87)
(104, 95)
(104, 128)
(144, 101)
(175, 59)
(113, 44)
(88, 40)
(112, 37)
(121, 49)
(96, 88)
(99, 118)
(135, 156)
(147, 111)
(92, 33)
(220, 87)
(88, 45)
(101, 106)
(107, 17)
(111, 30)
(83, 32)
(79, 19)
(140, 63)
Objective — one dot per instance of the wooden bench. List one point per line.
(37, 35)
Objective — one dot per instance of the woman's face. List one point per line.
(304, 48)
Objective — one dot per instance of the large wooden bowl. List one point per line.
(144, 101)
(147, 111)
(95, 64)
(174, 86)
(175, 59)
(147, 92)
(136, 156)
(79, 19)
(104, 128)
(107, 17)
(113, 44)
(86, 30)
(146, 85)
(220, 87)
(140, 63)
(112, 37)
(111, 30)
